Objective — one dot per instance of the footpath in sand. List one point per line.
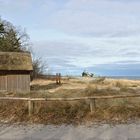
(69, 132)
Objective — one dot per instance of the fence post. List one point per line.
(92, 105)
(59, 78)
(30, 107)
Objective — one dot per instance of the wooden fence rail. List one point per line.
(91, 99)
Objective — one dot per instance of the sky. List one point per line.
(100, 36)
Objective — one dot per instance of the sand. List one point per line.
(70, 132)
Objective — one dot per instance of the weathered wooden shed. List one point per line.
(15, 70)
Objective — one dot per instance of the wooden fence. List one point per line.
(92, 100)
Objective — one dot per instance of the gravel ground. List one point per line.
(70, 132)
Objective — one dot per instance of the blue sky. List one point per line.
(101, 36)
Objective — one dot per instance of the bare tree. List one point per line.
(39, 67)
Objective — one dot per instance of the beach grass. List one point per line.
(56, 112)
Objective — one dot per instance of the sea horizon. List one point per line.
(113, 77)
(125, 77)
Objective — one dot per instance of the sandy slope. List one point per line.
(83, 82)
(69, 132)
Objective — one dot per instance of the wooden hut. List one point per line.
(15, 70)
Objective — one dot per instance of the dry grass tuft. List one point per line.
(111, 110)
(71, 112)
(92, 90)
(99, 80)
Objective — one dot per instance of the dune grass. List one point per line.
(110, 111)
(107, 110)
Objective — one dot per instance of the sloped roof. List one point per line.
(15, 61)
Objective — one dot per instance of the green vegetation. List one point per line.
(12, 39)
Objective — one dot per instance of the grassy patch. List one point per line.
(92, 90)
(118, 110)
(99, 80)
(109, 110)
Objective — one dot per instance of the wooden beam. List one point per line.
(70, 99)
(92, 99)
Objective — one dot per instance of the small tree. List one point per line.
(1, 28)
(12, 38)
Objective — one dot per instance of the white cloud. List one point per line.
(10, 5)
(97, 18)
(82, 55)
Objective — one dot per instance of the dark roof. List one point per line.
(15, 61)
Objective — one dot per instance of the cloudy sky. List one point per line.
(101, 36)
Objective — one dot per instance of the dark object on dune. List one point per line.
(86, 74)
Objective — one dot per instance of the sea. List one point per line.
(125, 77)
(112, 77)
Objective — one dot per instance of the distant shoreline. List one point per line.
(125, 77)
(112, 77)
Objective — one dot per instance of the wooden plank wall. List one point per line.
(3, 83)
(15, 83)
(18, 83)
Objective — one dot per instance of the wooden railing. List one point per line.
(92, 100)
